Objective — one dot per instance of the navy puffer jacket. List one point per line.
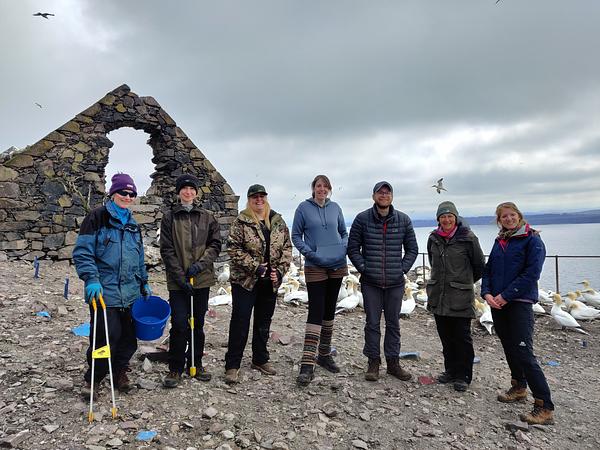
(375, 247)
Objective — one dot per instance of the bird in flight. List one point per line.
(38, 105)
(44, 15)
(439, 187)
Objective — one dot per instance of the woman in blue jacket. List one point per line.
(319, 233)
(109, 258)
(509, 286)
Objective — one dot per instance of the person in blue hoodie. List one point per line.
(509, 286)
(109, 258)
(319, 233)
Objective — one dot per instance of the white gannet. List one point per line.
(224, 275)
(223, 297)
(563, 318)
(293, 295)
(485, 320)
(591, 297)
(343, 292)
(580, 310)
(408, 303)
(538, 309)
(439, 186)
(349, 302)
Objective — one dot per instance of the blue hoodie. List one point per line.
(319, 233)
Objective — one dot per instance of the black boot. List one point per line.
(306, 375)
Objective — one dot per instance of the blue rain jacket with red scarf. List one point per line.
(514, 267)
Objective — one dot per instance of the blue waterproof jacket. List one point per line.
(111, 253)
(515, 270)
(319, 233)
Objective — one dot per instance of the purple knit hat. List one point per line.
(121, 181)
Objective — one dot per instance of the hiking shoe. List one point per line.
(86, 390)
(372, 373)
(172, 380)
(516, 393)
(202, 374)
(460, 385)
(328, 363)
(394, 369)
(232, 376)
(265, 368)
(306, 375)
(444, 378)
(539, 415)
(122, 383)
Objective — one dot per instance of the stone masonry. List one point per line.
(47, 188)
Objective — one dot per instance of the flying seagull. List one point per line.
(439, 187)
(38, 105)
(44, 15)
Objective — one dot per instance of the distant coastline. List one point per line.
(591, 216)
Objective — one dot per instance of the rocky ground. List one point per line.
(42, 363)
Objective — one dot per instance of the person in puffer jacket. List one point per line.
(456, 261)
(109, 258)
(509, 286)
(319, 233)
(377, 238)
(190, 242)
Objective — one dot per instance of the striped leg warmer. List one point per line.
(325, 341)
(311, 341)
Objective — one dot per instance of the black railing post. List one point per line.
(556, 274)
(424, 272)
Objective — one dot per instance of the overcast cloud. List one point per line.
(502, 100)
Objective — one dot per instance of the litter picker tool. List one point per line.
(193, 364)
(100, 353)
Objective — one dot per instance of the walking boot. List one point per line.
(372, 373)
(122, 382)
(232, 376)
(266, 368)
(445, 377)
(306, 375)
(516, 393)
(394, 369)
(172, 380)
(87, 390)
(328, 363)
(539, 415)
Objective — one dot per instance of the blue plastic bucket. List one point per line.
(150, 317)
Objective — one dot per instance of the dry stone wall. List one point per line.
(47, 188)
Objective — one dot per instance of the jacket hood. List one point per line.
(321, 209)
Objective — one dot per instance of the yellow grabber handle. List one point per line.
(193, 363)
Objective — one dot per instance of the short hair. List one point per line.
(509, 205)
(316, 180)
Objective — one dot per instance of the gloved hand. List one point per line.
(93, 290)
(185, 285)
(146, 291)
(195, 268)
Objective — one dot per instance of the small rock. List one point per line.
(50, 428)
(115, 442)
(227, 434)
(14, 440)
(147, 384)
(366, 416)
(470, 431)
(280, 445)
(516, 426)
(357, 443)
(522, 437)
(147, 365)
(210, 412)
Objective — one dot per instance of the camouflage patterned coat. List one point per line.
(246, 248)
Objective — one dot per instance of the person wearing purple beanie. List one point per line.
(109, 258)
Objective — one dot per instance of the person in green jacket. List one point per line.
(190, 242)
(457, 262)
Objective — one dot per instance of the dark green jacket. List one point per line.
(455, 266)
(186, 238)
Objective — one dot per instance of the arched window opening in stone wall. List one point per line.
(130, 154)
(47, 188)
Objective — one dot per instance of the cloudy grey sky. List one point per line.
(502, 100)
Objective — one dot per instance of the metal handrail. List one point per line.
(555, 257)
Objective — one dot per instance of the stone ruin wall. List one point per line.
(47, 188)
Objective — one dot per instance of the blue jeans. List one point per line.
(180, 335)
(514, 326)
(388, 300)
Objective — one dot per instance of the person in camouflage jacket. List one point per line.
(261, 251)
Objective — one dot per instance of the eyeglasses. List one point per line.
(384, 193)
(123, 193)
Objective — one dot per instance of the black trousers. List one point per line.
(180, 347)
(457, 346)
(514, 326)
(121, 335)
(322, 298)
(262, 300)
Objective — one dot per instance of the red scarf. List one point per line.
(505, 235)
(446, 234)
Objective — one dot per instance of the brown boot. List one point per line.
(515, 394)
(372, 373)
(122, 383)
(539, 415)
(394, 369)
